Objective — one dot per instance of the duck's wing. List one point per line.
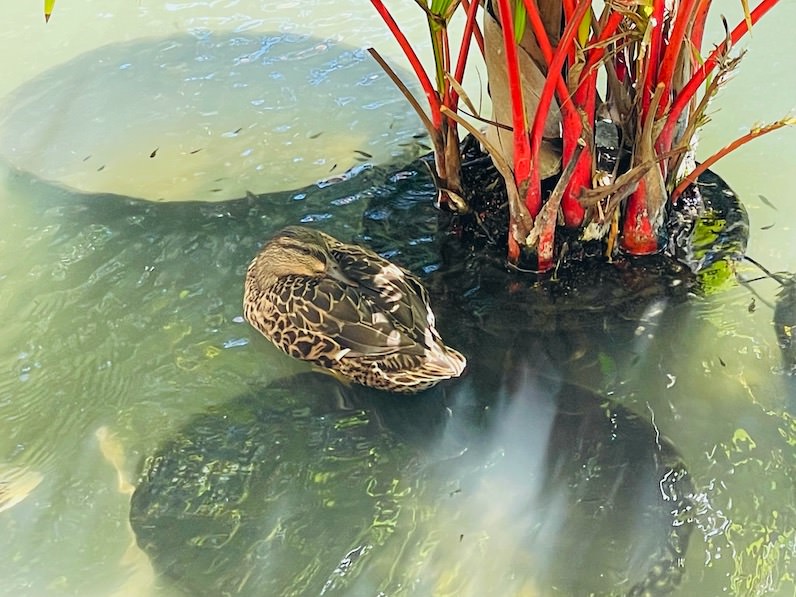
(392, 289)
(331, 311)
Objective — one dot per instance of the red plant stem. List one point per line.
(585, 100)
(414, 61)
(573, 211)
(698, 28)
(638, 237)
(543, 40)
(653, 54)
(688, 91)
(643, 206)
(464, 49)
(537, 27)
(569, 8)
(522, 149)
(730, 147)
(473, 26)
(533, 199)
(597, 44)
(685, 15)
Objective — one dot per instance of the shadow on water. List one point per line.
(307, 487)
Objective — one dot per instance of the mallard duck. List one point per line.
(345, 308)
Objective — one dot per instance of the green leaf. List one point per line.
(520, 20)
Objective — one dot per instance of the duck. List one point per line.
(346, 309)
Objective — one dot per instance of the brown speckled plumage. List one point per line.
(345, 308)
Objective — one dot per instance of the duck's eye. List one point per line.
(294, 246)
(302, 249)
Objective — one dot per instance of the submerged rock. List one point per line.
(206, 117)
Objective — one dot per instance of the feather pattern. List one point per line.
(346, 308)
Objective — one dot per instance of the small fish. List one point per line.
(101, 168)
(364, 154)
(315, 135)
(87, 158)
(721, 361)
(196, 151)
(784, 314)
(16, 484)
(236, 131)
(785, 321)
(752, 306)
(113, 453)
(154, 152)
(333, 167)
(769, 227)
(765, 200)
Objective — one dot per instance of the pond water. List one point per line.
(122, 331)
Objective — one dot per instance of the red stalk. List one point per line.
(698, 29)
(732, 146)
(471, 24)
(569, 10)
(522, 150)
(414, 61)
(537, 26)
(585, 99)
(684, 97)
(464, 49)
(685, 15)
(573, 211)
(677, 44)
(653, 54)
(571, 124)
(638, 237)
(643, 207)
(595, 55)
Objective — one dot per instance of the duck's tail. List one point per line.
(442, 361)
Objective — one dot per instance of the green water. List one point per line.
(123, 317)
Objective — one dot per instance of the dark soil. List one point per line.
(485, 228)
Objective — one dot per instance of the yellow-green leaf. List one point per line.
(48, 9)
(747, 16)
(584, 28)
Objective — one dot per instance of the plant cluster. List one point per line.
(562, 74)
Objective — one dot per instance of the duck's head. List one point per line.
(293, 251)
